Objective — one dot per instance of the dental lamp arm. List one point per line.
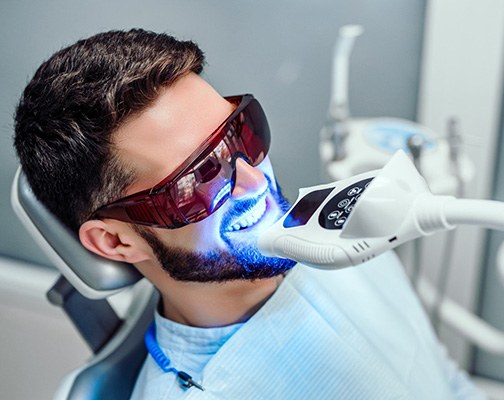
(484, 213)
(437, 213)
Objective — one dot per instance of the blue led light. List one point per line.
(224, 191)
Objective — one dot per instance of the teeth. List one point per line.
(251, 217)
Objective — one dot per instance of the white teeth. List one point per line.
(251, 217)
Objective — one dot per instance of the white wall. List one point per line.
(462, 77)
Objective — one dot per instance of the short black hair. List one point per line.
(77, 99)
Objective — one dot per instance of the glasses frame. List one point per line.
(145, 207)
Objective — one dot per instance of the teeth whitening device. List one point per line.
(353, 220)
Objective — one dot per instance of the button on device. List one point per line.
(340, 221)
(335, 214)
(354, 191)
(343, 203)
(338, 209)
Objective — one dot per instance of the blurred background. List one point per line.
(421, 60)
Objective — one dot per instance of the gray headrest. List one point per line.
(94, 276)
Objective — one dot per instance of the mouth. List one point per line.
(249, 218)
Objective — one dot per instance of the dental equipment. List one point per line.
(349, 146)
(351, 221)
(336, 130)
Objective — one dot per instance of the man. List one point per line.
(123, 140)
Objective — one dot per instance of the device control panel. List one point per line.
(335, 212)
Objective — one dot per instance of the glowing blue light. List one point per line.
(224, 191)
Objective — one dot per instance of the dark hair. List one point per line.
(76, 100)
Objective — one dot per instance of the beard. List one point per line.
(241, 261)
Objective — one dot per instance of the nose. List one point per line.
(250, 181)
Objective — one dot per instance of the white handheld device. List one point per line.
(351, 221)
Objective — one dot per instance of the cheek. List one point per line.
(201, 236)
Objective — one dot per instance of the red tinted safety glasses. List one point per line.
(205, 180)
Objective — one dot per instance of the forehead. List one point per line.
(159, 139)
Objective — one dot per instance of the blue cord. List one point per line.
(164, 362)
(155, 351)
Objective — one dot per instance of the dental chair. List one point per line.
(108, 302)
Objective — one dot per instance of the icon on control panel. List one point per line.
(340, 221)
(343, 203)
(335, 214)
(354, 191)
(338, 209)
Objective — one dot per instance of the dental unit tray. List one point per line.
(353, 220)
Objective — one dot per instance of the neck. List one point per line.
(215, 304)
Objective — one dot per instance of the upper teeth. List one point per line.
(251, 217)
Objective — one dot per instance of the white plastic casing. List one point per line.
(383, 216)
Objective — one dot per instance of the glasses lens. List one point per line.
(196, 196)
(209, 183)
(254, 133)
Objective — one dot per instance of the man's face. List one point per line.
(222, 246)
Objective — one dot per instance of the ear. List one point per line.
(111, 241)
